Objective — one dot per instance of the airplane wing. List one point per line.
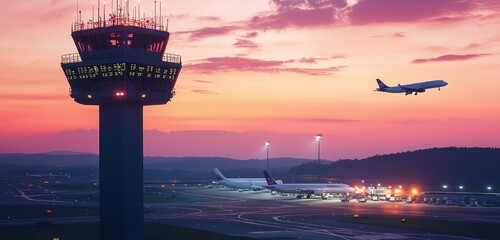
(410, 90)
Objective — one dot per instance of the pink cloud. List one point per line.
(311, 60)
(209, 19)
(207, 92)
(225, 64)
(398, 35)
(178, 16)
(202, 81)
(285, 5)
(380, 11)
(250, 35)
(245, 43)
(450, 57)
(298, 18)
(338, 56)
(206, 32)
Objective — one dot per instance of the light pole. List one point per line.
(267, 155)
(445, 187)
(489, 188)
(318, 139)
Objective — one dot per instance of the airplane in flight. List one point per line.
(241, 183)
(308, 189)
(410, 88)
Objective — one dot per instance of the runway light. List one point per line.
(319, 136)
(143, 95)
(89, 96)
(414, 191)
(400, 186)
(488, 187)
(445, 186)
(397, 190)
(378, 184)
(461, 187)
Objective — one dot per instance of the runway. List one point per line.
(262, 215)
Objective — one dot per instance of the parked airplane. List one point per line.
(241, 183)
(318, 189)
(410, 88)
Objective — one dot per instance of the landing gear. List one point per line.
(439, 89)
(416, 93)
(299, 196)
(308, 196)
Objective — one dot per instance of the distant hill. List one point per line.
(49, 159)
(478, 166)
(175, 166)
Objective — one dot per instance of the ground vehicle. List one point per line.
(374, 198)
(362, 199)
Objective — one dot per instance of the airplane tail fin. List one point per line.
(218, 175)
(270, 180)
(381, 84)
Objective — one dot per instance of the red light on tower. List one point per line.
(49, 211)
(120, 94)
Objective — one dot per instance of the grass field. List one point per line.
(153, 231)
(148, 197)
(44, 211)
(433, 225)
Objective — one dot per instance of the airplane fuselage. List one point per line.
(414, 87)
(244, 183)
(311, 188)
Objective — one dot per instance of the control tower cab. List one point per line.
(121, 61)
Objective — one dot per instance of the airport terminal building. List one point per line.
(468, 198)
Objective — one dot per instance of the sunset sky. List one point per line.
(272, 70)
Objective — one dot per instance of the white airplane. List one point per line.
(318, 189)
(241, 183)
(410, 88)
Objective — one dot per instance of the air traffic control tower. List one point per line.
(121, 66)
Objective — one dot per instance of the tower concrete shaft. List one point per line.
(121, 171)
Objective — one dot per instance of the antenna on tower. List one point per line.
(161, 18)
(104, 18)
(139, 9)
(155, 15)
(77, 9)
(99, 13)
(92, 12)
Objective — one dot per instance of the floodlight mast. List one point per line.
(121, 66)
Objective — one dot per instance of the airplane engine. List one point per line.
(318, 193)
